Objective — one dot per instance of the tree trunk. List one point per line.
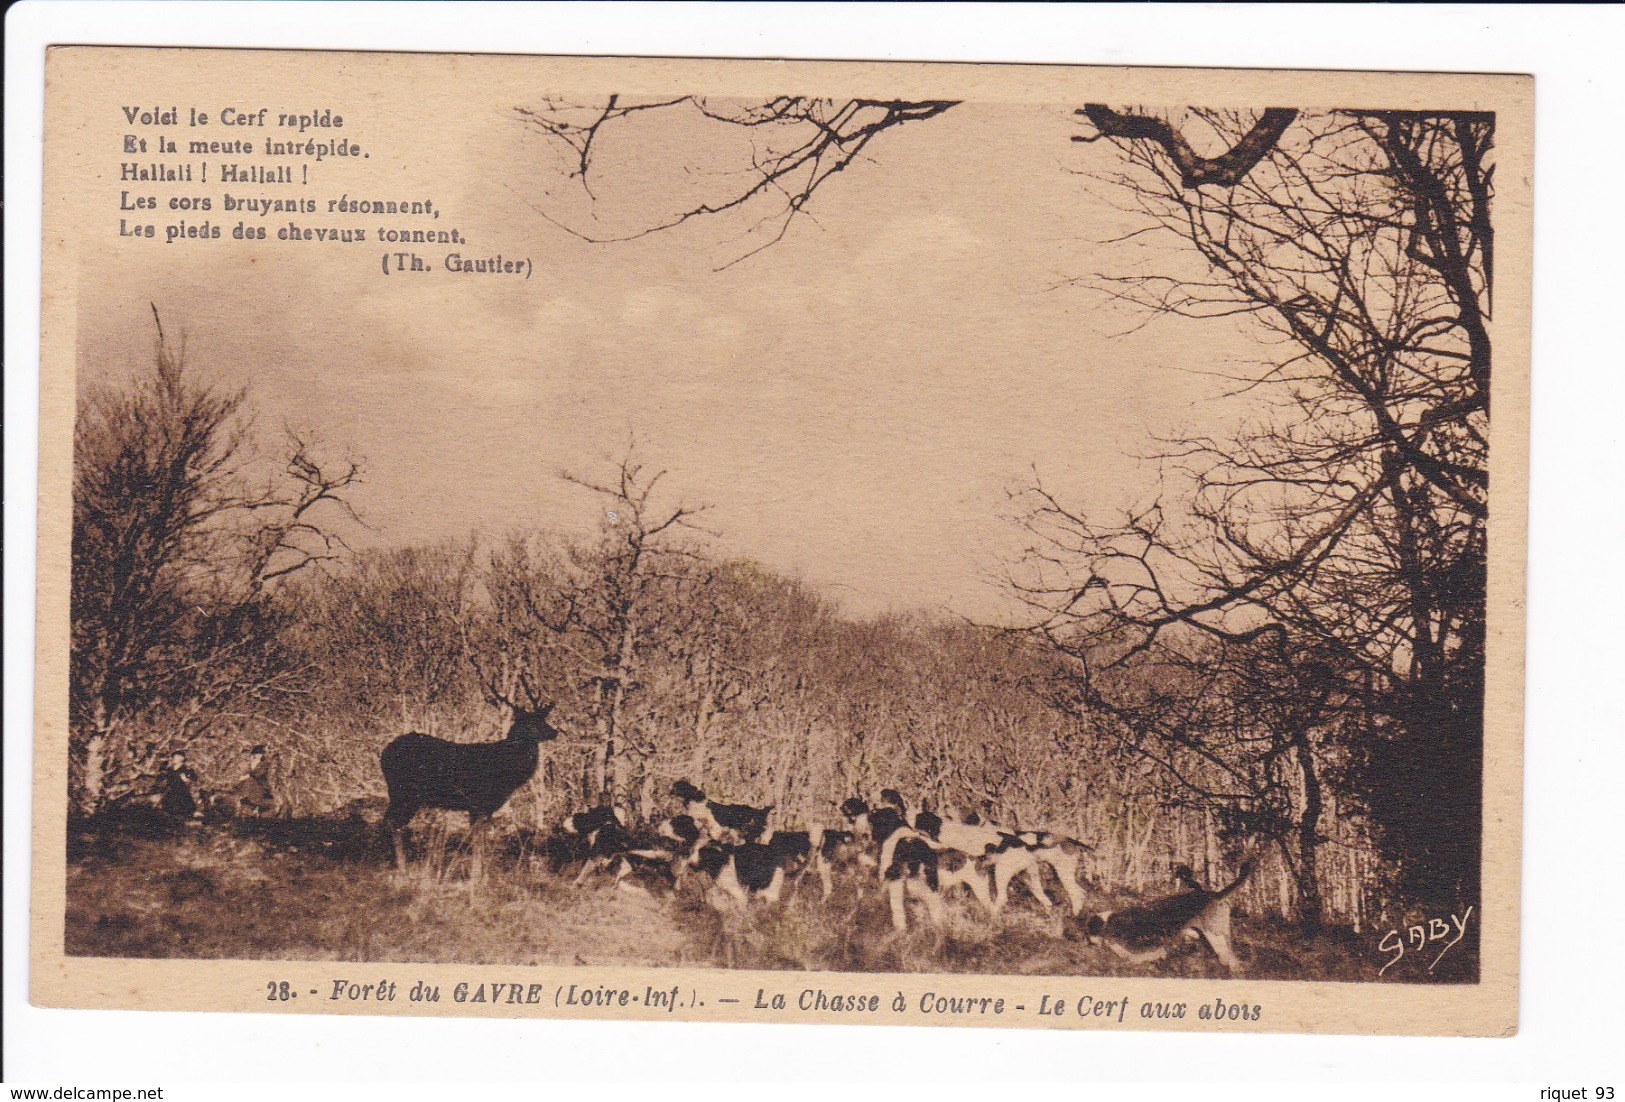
(606, 742)
(614, 751)
(95, 764)
(99, 764)
(1311, 908)
(539, 809)
(704, 720)
(646, 796)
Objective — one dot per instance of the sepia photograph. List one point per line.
(743, 540)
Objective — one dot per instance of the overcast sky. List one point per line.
(853, 401)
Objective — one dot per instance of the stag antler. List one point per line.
(532, 697)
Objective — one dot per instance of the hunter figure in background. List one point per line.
(254, 793)
(177, 790)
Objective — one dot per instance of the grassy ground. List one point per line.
(327, 891)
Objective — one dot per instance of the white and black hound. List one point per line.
(912, 866)
(1023, 853)
(682, 830)
(585, 822)
(816, 849)
(572, 842)
(1012, 854)
(753, 870)
(724, 822)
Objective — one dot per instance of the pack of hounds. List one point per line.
(916, 859)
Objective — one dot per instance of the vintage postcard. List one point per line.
(1018, 546)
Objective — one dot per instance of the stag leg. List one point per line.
(396, 823)
(478, 825)
(396, 819)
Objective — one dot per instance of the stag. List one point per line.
(423, 771)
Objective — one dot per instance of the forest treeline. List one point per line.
(216, 606)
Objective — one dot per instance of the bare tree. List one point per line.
(179, 552)
(728, 671)
(793, 145)
(590, 612)
(399, 623)
(1350, 521)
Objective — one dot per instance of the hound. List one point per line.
(910, 865)
(726, 822)
(644, 870)
(959, 858)
(681, 830)
(890, 797)
(1148, 932)
(992, 854)
(585, 822)
(565, 849)
(816, 849)
(1023, 854)
(642, 855)
(746, 871)
(885, 826)
(913, 872)
(1012, 854)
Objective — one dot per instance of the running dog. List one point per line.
(1150, 931)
